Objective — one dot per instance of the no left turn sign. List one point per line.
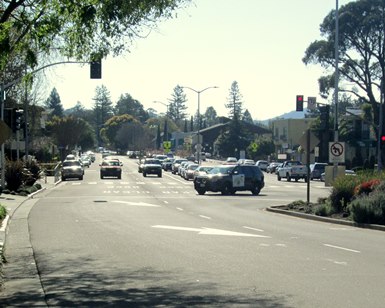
(336, 152)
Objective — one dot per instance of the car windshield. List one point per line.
(222, 170)
(111, 163)
(72, 163)
(294, 163)
(152, 162)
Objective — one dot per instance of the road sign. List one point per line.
(311, 103)
(336, 152)
(167, 145)
(254, 147)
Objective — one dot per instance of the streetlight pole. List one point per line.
(166, 128)
(199, 146)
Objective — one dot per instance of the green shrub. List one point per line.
(13, 174)
(3, 212)
(342, 192)
(324, 209)
(369, 208)
(34, 168)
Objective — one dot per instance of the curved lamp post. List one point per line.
(199, 117)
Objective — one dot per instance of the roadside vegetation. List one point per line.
(359, 198)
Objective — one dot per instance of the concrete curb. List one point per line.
(276, 209)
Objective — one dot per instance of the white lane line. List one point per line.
(92, 183)
(342, 248)
(179, 209)
(166, 202)
(76, 183)
(4, 224)
(205, 217)
(255, 229)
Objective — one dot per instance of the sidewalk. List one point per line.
(20, 280)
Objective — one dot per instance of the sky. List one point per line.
(258, 43)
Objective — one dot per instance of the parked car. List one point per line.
(189, 171)
(348, 172)
(228, 179)
(243, 161)
(110, 168)
(72, 169)
(182, 166)
(262, 164)
(316, 170)
(272, 167)
(167, 164)
(231, 160)
(176, 164)
(152, 166)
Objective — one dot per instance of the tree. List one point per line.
(234, 139)
(53, 102)
(234, 101)
(361, 51)
(210, 116)
(247, 117)
(127, 105)
(103, 109)
(75, 29)
(265, 147)
(112, 126)
(177, 107)
(70, 131)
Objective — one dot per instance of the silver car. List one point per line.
(72, 169)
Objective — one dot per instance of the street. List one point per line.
(149, 241)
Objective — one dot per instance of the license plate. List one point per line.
(202, 185)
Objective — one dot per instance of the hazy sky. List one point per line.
(258, 43)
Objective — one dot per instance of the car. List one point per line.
(188, 173)
(167, 164)
(272, 167)
(152, 166)
(91, 155)
(182, 166)
(231, 160)
(262, 164)
(202, 170)
(160, 157)
(316, 170)
(72, 169)
(176, 163)
(141, 164)
(70, 157)
(243, 161)
(110, 168)
(86, 160)
(348, 172)
(228, 179)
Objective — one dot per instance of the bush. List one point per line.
(324, 209)
(342, 192)
(13, 174)
(3, 212)
(369, 209)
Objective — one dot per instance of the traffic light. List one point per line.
(17, 119)
(96, 69)
(382, 141)
(299, 103)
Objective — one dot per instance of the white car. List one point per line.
(231, 160)
(262, 164)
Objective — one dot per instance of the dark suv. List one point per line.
(228, 179)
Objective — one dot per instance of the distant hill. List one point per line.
(288, 115)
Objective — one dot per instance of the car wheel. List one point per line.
(119, 176)
(296, 179)
(63, 178)
(201, 191)
(144, 174)
(288, 178)
(255, 191)
(159, 175)
(81, 178)
(227, 190)
(278, 177)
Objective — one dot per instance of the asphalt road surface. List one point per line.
(149, 241)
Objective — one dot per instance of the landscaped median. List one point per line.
(354, 200)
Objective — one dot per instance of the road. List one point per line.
(155, 242)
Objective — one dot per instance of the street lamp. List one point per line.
(199, 147)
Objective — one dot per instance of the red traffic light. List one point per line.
(299, 103)
(383, 138)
